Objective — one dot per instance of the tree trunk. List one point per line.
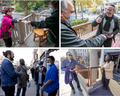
(75, 8)
(81, 11)
(25, 3)
(26, 11)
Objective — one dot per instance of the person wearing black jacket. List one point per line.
(39, 77)
(108, 24)
(69, 36)
(51, 22)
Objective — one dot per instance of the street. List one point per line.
(16, 15)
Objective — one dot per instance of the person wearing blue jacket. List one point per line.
(51, 84)
(68, 64)
(8, 74)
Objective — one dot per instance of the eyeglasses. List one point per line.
(109, 10)
(69, 55)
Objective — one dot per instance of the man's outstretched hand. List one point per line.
(104, 36)
(110, 36)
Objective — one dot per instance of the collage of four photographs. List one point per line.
(59, 48)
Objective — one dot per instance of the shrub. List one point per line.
(77, 22)
(18, 8)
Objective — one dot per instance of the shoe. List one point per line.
(73, 91)
(79, 89)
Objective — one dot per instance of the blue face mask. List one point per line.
(71, 19)
(51, 10)
(48, 64)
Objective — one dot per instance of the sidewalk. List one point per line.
(114, 88)
(32, 90)
(66, 89)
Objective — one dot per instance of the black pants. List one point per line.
(104, 80)
(9, 90)
(108, 42)
(53, 93)
(8, 42)
(76, 79)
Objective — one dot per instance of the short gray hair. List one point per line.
(64, 5)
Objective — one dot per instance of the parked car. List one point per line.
(2, 9)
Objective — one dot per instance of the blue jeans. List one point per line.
(23, 91)
(38, 88)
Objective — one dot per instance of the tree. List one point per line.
(107, 0)
(99, 2)
(23, 3)
(28, 4)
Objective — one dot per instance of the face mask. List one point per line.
(40, 65)
(51, 10)
(9, 13)
(71, 19)
(48, 64)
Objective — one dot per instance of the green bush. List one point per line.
(77, 22)
(18, 8)
(12, 3)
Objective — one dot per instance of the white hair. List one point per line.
(64, 5)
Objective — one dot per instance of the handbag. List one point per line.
(5, 35)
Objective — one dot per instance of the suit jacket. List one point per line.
(99, 31)
(22, 81)
(69, 38)
(109, 69)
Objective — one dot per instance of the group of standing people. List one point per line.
(47, 79)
